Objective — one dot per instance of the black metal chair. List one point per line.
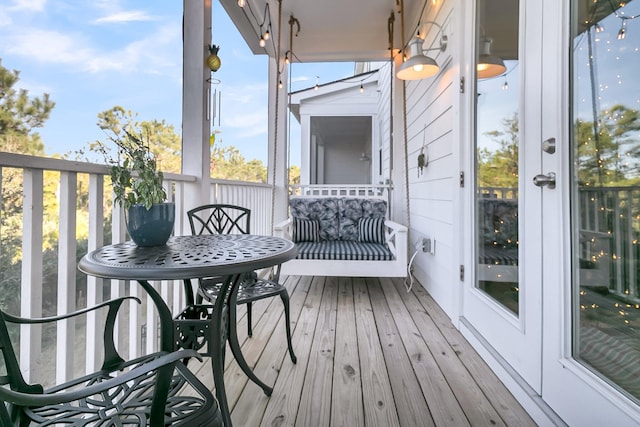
(155, 390)
(231, 219)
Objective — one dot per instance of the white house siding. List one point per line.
(338, 99)
(433, 192)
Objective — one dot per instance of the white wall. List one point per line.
(431, 116)
(342, 164)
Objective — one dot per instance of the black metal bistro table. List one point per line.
(192, 257)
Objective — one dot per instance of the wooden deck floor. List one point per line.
(369, 354)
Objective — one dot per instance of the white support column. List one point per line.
(278, 154)
(195, 100)
(308, 152)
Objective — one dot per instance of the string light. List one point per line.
(242, 3)
(280, 84)
(265, 26)
(316, 86)
(622, 31)
(361, 88)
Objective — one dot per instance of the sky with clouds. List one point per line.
(93, 55)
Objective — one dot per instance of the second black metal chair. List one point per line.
(155, 389)
(231, 219)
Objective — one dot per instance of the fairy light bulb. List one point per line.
(280, 84)
(361, 88)
(267, 34)
(622, 31)
(242, 3)
(262, 42)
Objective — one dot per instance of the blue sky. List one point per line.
(93, 55)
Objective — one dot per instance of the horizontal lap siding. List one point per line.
(431, 120)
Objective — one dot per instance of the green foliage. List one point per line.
(499, 168)
(134, 176)
(19, 115)
(228, 163)
(134, 172)
(294, 174)
(608, 149)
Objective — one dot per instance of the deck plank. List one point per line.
(510, 411)
(251, 405)
(379, 406)
(410, 402)
(315, 401)
(282, 408)
(346, 409)
(441, 400)
(469, 395)
(369, 354)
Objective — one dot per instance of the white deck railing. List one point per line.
(83, 205)
(253, 195)
(344, 190)
(609, 236)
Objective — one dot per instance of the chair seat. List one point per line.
(130, 404)
(249, 290)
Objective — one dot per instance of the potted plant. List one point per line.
(137, 187)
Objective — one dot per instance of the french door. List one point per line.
(555, 292)
(503, 296)
(591, 221)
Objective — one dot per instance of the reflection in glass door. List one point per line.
(606, 190)
(497, 149)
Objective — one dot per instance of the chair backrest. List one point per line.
(219, 219)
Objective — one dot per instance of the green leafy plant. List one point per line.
(134, 174)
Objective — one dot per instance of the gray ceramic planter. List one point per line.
(151, 227)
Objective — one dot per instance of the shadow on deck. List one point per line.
(369, 354)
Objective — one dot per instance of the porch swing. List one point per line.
(347, 235)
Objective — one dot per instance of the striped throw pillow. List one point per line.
(306, 230)
(371, 230)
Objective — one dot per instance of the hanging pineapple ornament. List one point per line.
(213, 60)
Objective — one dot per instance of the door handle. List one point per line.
(549, 180)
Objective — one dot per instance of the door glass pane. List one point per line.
(606, 189)
(497, 99)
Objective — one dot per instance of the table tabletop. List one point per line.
(188, 257)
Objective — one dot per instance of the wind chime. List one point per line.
(213, 62)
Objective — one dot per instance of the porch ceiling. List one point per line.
(357, 30)
(330, 30)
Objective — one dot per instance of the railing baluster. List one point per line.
(66, 276)
(94, 285)
(31, 279)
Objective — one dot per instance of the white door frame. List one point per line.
(514, 341)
